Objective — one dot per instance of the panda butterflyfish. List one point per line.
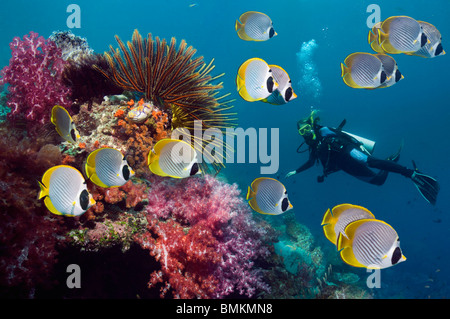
(107, 167)
(254, 26)
(363, 71)
(64, 124)
(268, 196)
(255, 80)
(401, 34)
(370, 243)
(284, 93)
(65, 191)
(433, 48)
(335, 220)
(174, 158)
(391, 68)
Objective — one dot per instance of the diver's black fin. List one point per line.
(395, 157)
(427, 185)
(339, 128)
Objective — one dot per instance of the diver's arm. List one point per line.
(304, 167)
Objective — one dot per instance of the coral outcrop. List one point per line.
(34, 79)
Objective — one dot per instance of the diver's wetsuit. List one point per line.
(337, 150)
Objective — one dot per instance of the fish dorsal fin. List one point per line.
(256, 182)
(244, 17)
(47, 175)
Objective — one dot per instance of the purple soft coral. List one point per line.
(34, 78)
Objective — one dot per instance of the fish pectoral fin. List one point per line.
(384, 257)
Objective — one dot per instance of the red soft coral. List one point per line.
(203, 235)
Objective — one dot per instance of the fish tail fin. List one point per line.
(328, 217)
(250, 193)
(43, 192)
(344, 69)
(152, 156)
(238, 25)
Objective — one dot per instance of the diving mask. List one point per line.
(306, 129)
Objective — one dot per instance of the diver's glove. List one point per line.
(426, 185)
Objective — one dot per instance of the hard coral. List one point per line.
(72, 47)
(34, 78)
(205, 238)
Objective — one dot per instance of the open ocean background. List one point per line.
(415, 109)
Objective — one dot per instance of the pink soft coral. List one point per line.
(34, 77)
(205, 238)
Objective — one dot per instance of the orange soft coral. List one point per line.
(138, 143)
(119, 113)
(162, 121)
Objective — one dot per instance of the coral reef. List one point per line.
(29, 234)
(202, 233)
(194, 237)
(34, 77)
(72, 47)
(86, 83)
(175, 82)
(108, 234)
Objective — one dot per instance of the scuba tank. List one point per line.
(366, 146)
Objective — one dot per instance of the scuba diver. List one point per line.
(338, 150)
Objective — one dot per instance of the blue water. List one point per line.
(415, 109)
